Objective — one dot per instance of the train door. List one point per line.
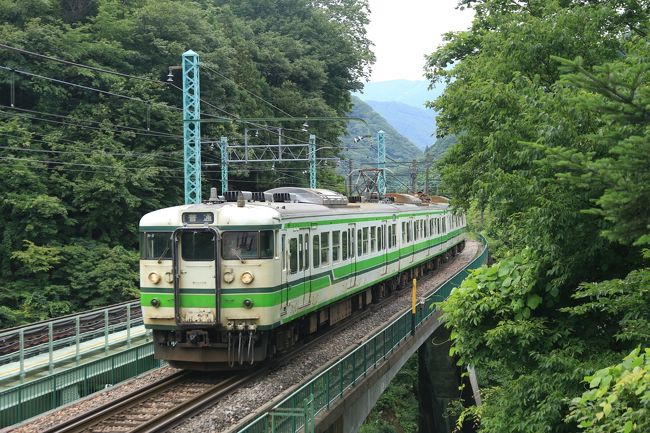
(299, 277)
(195, 256)
(410, 237)
(306, 287)
(352, 281)
(284, 274)
(384, 245)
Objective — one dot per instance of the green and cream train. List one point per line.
(238, 279)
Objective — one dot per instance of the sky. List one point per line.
(404, 31)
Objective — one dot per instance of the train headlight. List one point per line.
(154, 277)
(247, 278)
(228, 277)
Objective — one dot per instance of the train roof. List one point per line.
(299, 205)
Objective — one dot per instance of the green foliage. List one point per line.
(78, 168)
(548, 101)
(397, 408)
(618, 399)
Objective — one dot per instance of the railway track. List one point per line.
(164, 404)
(156, 407)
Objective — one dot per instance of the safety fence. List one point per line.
(18, 344)
(334, 383)
(30, 399)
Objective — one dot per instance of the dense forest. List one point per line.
(549, 103)
(85, 152)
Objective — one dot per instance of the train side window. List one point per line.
(301, 261)
(416, 230)
(379, 236)
(359, 243)
(373, 239)
(409, 231)
(325, 248)
(394, 238)
(404, 232)
(306, 251)
(283, 259)
(390, 236)
(336, 246)
(315, 251)
(344, 245)
(365, 240)
(293, 255)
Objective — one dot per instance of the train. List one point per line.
(245, 276)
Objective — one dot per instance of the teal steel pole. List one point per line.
(191, 127)
(381, 163)
(223, 146)
(312, 161)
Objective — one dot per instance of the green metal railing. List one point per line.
(23, 342)
(334, 383)
(30, 399)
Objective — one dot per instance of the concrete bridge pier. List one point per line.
(439, 385)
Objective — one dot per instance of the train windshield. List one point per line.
(197, 246)
(247, 245)
(155, 246)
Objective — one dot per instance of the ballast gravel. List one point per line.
(247, 399)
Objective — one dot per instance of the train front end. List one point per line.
(201, 269)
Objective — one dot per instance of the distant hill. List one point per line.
(416, 124)
(401, 103)
(364, 152)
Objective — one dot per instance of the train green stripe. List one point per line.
(299, 288)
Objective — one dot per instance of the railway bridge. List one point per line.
(339, 396)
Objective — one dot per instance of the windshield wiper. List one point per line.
(163, 253)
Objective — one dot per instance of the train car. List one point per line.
(236, 280)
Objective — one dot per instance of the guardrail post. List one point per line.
(128, 325)
(105, 330)
(50, 346)
(77, 356)
(21, 353)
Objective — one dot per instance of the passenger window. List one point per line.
(379, 237)
(293, 255)
(390, 236)
(344, 245)
(365, 240)
(359, 244)
(336, 246)
(404, 232)
(315, 251)
(325, 248)
(300, 254)
(409, 231)
(394, 235)
(373, 239)
(306, 251)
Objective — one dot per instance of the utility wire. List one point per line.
(79, 65)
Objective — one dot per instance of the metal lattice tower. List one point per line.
(312, 161)
(381, 163)
(223, 147)
(191, 127)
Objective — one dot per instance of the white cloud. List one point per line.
(404, 31)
